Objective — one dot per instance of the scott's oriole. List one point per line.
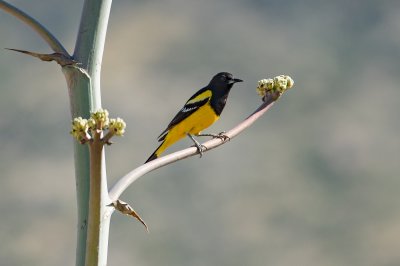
(198, 113)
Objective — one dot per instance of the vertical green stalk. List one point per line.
(81, 104)
(85, 97)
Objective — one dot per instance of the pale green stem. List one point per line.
(91, 38)
(83, 83)
(85, 95)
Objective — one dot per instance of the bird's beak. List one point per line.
(237, 80)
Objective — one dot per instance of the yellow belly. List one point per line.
(198, 121)
(193, 124)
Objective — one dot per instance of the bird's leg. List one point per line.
(221, 135)
(200, 148)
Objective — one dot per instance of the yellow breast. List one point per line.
(201, 119)
(193, 124)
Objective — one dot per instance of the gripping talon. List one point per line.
(220, 136)
(223, 136)
(200, 147)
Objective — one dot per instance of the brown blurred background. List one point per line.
(314, 182)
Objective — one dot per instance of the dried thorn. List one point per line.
(126, 209)
(61, 59)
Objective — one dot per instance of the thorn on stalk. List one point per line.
(61, 59)
(126, 209)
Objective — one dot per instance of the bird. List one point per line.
(199, 112)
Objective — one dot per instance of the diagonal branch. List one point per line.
(46, 35)
(123, 183)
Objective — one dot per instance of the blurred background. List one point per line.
(314, 182)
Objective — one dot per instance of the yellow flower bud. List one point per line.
(79, 128)
(117, 126)
(101, 118)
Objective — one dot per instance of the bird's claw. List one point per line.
(200, 148)
(222, 136)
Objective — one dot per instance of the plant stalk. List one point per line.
(97, 233)
(85, 97)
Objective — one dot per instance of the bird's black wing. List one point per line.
(199, 99)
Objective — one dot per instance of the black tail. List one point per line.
(154, 155)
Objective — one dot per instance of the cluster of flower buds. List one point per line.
(117, 125)
(278, 84)
(84, 130)
(80, 129)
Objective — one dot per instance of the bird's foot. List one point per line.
(221, 135)
(200, 147)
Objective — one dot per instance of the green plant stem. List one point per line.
(83, 83)
(91, 39)
(85, 97)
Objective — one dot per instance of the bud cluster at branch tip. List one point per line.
(99, 120)
(118, 126)
(84, 130)
(278, 84)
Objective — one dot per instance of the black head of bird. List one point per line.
(221, 85)
(224, 81)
